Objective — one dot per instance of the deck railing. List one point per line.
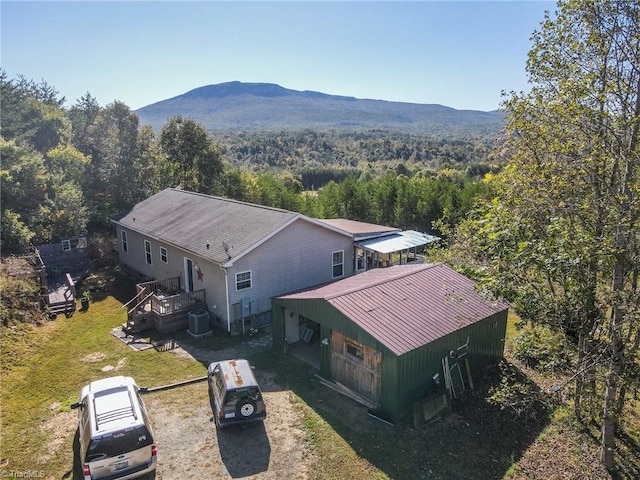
(169, 286)
(166, 305)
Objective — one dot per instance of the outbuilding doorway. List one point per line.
(302, 337)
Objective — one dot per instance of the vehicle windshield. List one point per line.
(117, 443)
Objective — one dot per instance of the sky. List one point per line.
(458, 54)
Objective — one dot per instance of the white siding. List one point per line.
(213, 277)
(297, 257)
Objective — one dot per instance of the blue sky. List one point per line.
(458, 54)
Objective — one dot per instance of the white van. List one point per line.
(116, 439)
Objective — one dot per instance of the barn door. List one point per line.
(356, 366)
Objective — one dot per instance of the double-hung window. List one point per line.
(147, 251)
(163, 255)
(338, 264)
(243, 280)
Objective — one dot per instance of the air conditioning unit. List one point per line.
(199, 321)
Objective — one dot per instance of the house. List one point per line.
(198, 251)
(391, 335)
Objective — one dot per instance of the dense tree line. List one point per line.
(319, 157)
(560, 241)
(69, 171)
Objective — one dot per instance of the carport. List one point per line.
(397, 248)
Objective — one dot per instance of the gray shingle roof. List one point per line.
(191, 220)
(406, 307)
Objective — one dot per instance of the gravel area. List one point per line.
(190, 445)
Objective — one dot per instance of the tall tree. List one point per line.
(82, 115)
(32, 113)
(114, 174)
(192, 159)
(560, 241)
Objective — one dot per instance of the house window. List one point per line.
(243, 280)
(163, 255)
(125, 244)
(147, 251)
(66, 245)
(338, 264)
(354, 350)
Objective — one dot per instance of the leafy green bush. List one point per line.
(541, 348)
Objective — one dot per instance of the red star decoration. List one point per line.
(199, 273)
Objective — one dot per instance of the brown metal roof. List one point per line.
(407, 306)
(359, 229)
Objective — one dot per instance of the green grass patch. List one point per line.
(44, 368)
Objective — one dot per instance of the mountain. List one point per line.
(238, 106)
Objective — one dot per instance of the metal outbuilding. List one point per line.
(392, 335)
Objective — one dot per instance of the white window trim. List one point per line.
(165, 255)
(66, 245)
(250, 280)
(148, 256)
(333, 265)
(124, 243)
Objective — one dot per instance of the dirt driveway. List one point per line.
(190, 445)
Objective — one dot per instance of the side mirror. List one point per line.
(76, 405)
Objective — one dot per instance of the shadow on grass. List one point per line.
(628, 458)
(477, 440)
(627, 451)
(109, 281)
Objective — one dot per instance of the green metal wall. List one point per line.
(407, 378)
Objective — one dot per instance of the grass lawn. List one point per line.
(50, 364)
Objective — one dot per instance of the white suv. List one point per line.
(116, 440)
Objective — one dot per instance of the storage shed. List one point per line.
(390, 336)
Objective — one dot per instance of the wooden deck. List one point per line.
(60, 271)
(163, 306)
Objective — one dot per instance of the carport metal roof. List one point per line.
(397, 241)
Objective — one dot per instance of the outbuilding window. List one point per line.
(338, 263)
(354, 350)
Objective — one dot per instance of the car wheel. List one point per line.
(247, 408)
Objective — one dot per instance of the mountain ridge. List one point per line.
(246, 106)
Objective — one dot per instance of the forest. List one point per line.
(68, 171)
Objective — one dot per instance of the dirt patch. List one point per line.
(94, 357)
(191, 446)
(59, 428)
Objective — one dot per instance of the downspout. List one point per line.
(226, 290)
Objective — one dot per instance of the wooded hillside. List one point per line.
(68, 171)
